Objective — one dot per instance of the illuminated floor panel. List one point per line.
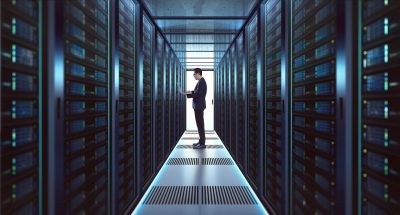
(187, 189)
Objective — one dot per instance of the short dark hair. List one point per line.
(198, 70)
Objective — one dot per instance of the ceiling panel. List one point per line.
(188, 23)
(199, 7)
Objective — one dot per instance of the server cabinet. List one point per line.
(147, 152)
(379, 151)
(85, 152)
(181, 101)
(224, 99)
(176, 100)
(158, 119)
(125, 164)
(313, 103)
(241, 78)
(216, 100)
(227, 101)
(167, 106)
(274, 150)
(172, 104)
(182, 106)
(233, 99)
(21, 108)
(253, 101)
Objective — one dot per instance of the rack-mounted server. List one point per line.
(233, 101)
(148, 70)
(314, 114)
(253, 103)
(127, 165)
(21, 120)
(158, 135)
(86, 107)
(379, 93)
(241, 78)
(273, 150)
(167, 103)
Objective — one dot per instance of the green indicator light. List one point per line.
(386, 138)
(386, 170)
(386, 196)
(14, 138)
(14, 26)
(13, 170)
(386, 53)
(14, 81)
(386, 2)
(14, 196)
(386, 80)
(14, 2)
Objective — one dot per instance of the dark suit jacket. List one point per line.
(199, 95)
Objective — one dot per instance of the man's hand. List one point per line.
(188, 92)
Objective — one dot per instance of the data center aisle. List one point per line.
(202, 181)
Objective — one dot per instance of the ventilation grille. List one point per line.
(206, 195)
(227, 195)
(200, 161)
(207, 147)
(173, 195)
(183, 161)
(216, 161)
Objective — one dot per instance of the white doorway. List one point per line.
(209, 111)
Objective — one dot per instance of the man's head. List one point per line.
(197, 73)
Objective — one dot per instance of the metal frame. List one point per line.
(344, 104)
(55, 94)
(200, 17)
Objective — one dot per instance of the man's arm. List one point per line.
(189, 95)
(201, 90)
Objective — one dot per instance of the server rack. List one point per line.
(233, 102)
(379, 52)
(167, 104)
(147, 153)
(216, 100)
(176, 100)
(223, 98)
(253, 103)
(127, 180)
(228, 100)
(241, 78)
(86, 107)
(313, 104)
(158, 130)
(273, 153)
(21, 108)
(172, 100)
(182, 104)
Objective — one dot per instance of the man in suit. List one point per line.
(199, 104)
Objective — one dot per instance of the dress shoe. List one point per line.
(200, 146)
(195, 144)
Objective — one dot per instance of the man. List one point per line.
(199, 104)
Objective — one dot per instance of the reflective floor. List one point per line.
(201, 181)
